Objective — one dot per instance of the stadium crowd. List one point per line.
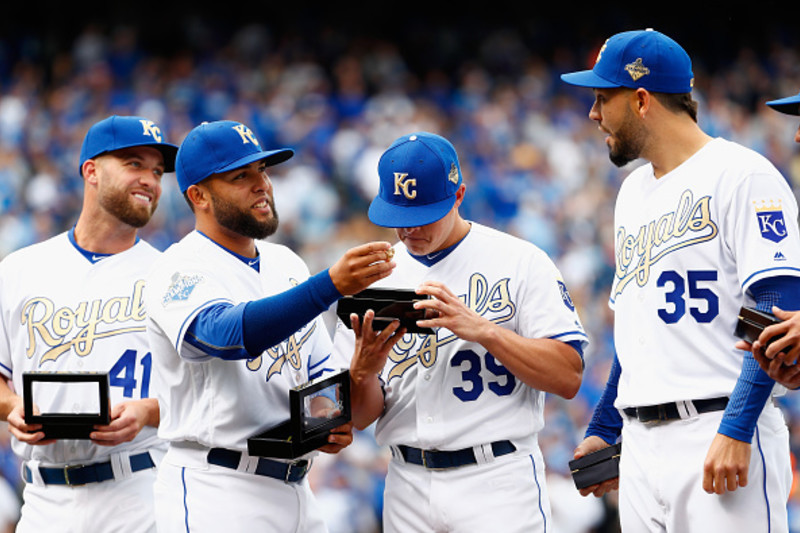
(535, 165)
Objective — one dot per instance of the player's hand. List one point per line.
(589, 445)
(362, 266)
(786, 375)
(26, 433)
(726, 465)
(786, 348)
(127, 420)
(448, 311)
(372, 347)
(339, 439)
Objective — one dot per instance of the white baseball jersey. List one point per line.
(688, 246)
(445, 393)
(59, 311)
(204, 399)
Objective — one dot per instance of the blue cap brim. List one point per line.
(587, 78)
(270, 158)
(387, 215)
(789, 105)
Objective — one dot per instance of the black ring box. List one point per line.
(66, 425)
(752, 322)
(596, 467)
(388, 304)
(304, 432)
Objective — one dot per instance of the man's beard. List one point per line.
(240, 221)
(119, 204)
(629, 142)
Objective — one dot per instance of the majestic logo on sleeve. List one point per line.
(688, 225)
(180, 288)
(64, 328)
(771, 223)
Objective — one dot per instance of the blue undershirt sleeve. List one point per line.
(606, 421)
(245, 330)
(754, 386)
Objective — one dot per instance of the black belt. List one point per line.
(671, 411)
(438, 459)
(74, 475)
(287, 472)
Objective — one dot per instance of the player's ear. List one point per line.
(460, 194)
(642, 101)
(89, 171)
(198, 196)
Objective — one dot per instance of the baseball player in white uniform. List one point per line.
(777, 349)
(704, 227)
(461, 408)
(234, 324)
(73, 303)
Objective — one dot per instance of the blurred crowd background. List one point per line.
(338, 90)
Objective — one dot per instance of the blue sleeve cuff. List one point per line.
(606, 421)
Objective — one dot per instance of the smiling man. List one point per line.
(73, 303)
(234, 324)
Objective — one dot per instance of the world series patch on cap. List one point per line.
(214, 147)
(118, 132)
(419, 176)
(638, 59)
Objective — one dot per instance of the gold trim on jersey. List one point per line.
(485, 300)
(637, 253)
(65, 328)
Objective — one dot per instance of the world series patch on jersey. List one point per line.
(61, 311)
(688, 247)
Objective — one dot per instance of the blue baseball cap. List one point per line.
(644, 59)
(419, 176)
(789, 105)
(117, 132)
(214, 147)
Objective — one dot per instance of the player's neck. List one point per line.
(674, 145)
(104, 236)
(230, 240)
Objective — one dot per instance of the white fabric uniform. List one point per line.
(445, 393)
(59, 311)
(207, 402)
(688, 247)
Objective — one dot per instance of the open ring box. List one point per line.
(81, 400)
(596, 467)
(316, 408)
(388, 305)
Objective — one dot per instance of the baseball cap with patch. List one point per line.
(638, 59)
(419, 176)
(214, 147)
(118, 132)
(789, 105)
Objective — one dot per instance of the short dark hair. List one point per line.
(677, 103)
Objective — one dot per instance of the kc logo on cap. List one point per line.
(215, 147)
(419, 176)
(118, 132)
